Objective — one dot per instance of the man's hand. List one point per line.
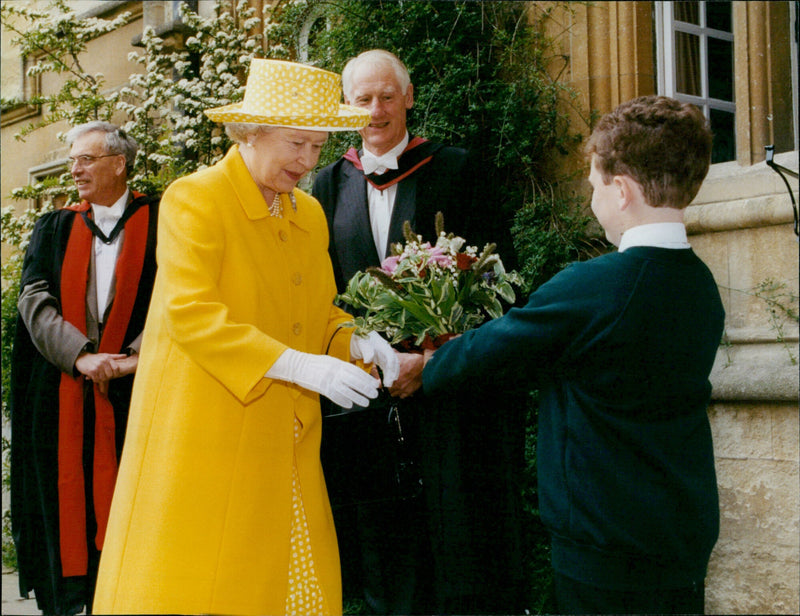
(128, 364)
(100, 368)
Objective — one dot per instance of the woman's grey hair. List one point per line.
(238, 132)
(375, 58)
(117, 140)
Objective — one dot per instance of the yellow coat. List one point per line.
(201, 516)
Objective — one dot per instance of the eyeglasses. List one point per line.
(87, 161)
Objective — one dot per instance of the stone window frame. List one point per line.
(794, 54)
(22, 109)
(53, 168)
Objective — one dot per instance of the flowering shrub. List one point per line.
(423, 294)
(164, 103)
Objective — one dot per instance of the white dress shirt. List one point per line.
(381, 202)
(105, 255)
(658, 235)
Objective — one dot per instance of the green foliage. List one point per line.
(165, 103)
(9, 553)
(11, 270)
(549, 233)
(16, 232)
(781, 304)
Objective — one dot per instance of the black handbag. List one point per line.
(369, 454)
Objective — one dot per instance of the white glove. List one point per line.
(373, 348)
(343, 383)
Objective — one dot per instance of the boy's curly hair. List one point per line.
(662, 143)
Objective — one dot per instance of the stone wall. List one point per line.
(740, 224)
(754, 568)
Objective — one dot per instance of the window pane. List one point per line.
(718, 16)
(688, 12)
(687, 63)
(723, 126)
(720, 69)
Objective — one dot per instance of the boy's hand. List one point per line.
(410, 377)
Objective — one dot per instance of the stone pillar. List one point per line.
(763, 87)
(608, 51)
(609, 47)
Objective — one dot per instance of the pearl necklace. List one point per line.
(276, 208)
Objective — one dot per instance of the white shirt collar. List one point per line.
(107, 216)
(658, 235)
(393, 153)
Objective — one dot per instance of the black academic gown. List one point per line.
(34, 403)
(469, 450)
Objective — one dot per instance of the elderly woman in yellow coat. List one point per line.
(220, 505)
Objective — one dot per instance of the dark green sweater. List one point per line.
(620, 348)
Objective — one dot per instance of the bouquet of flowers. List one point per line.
(422, 294)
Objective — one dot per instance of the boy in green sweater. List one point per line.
(620, 348)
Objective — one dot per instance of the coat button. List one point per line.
(297, 328)
(297, 278)
(283, 235)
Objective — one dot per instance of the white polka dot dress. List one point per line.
(304, 597)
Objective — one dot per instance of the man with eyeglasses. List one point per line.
(84, 292)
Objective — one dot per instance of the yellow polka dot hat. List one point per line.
(292, 95)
